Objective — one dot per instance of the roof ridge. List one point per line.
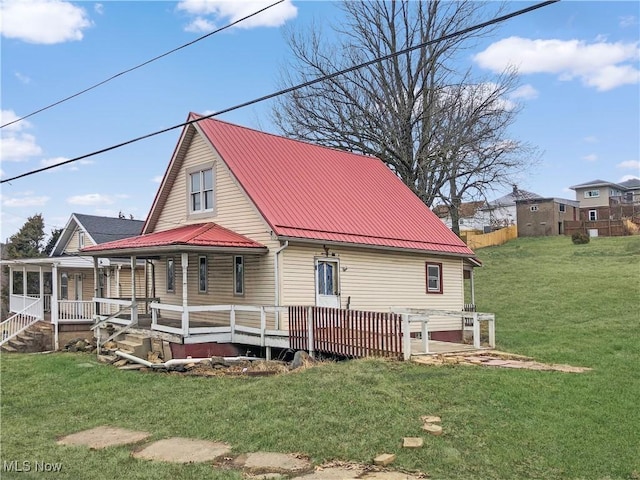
(203, 228)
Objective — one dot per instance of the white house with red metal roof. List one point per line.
(246, 224)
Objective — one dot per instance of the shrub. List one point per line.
(580, 238)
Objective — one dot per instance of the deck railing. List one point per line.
(70, 311)
(349, 333)
(16, 324)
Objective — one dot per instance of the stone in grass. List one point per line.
(412, 442)
(430, 419)
(432, 429)
(384, 459)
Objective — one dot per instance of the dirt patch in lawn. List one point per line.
(494, 358)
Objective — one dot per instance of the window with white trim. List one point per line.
(593, 215)
(533, 208)
(202, 274)
(238, 275)
(80, 239)
(434, 277)
(201, 191)
(171, 275)
(562, 207)
(592, 194)
(64, 286)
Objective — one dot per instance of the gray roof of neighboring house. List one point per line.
(106, 229)
(631, 184)
(99, 229)
(566, 201)
(594, 183)
(510, 198)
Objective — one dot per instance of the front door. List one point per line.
(327, 283)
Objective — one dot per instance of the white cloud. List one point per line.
(628, 177)
(122, 195)
(90, 199)
(209, 13)
(602, 65)
(48, 162)
(16, 145)
(628, 21)
(43, 21)
(98, 8)
(526, 92)
(630, 164)
(592, 157)
(157, 179)
(24, 201)
(23, 78)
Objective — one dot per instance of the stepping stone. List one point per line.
(183, 450)
(432, 429)
(430, 419)
(412, 442)
(270, 462)
(103, 437)
(384, 459)
(387, 476)
(332, 474)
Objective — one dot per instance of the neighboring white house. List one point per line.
(502, 211)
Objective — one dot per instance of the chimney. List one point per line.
(515, 190)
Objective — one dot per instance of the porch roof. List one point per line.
(196, 237)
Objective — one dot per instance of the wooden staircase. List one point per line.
(36, 338)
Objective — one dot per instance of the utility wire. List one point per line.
(140, 65)
(291, 89)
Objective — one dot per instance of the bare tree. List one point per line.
(443, 135)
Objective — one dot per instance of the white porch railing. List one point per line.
(70, 311)
(422, 317)
(46, 297)
(18, 303)
(22, 320)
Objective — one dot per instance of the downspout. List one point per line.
(276, 272)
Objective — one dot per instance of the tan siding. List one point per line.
(73, 245)
(375, 280)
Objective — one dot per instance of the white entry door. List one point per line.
(327, 283)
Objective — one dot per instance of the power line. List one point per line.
(140, 65)
(292, 89)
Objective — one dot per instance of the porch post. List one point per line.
(96, 286)
(134, 305)
(54, 303)
(118, 292)
(184, 262)
(473, 289)
(10, 281)
(24, 282)
(41, 290)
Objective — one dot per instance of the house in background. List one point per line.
(543, 217)
(247, 228)
(502, 212)
(60, 287)
(473, 215)
(603, 200)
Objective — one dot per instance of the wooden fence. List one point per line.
(349, 333)
(494, 238)
(604, 228)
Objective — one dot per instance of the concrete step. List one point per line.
(134, 337)
(139, 349)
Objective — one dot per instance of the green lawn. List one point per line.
(553, 300)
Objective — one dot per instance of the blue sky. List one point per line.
(578, 63)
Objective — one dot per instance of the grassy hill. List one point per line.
(555, 301)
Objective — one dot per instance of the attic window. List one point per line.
(201, 191)
(80, 239)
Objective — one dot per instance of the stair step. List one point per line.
(128, 343)
(8, 348)
(14, 342)
(134, 337)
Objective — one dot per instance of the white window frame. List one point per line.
(203, 281)
(438, 289)
(171, 275)
(64, 286)
(592, 193)
(594, 214)
(80, 239)
(238, 275)
(200, 172)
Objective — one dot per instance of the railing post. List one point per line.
(232, 322)
(476, 331)
(425, 334)
(154, 318)
(263, 325)
(492, 331)
(54, 304)
(184, 262)
(310, 340)
(406, 337)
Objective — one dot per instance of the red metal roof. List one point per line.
(200, 235)
(313, 192)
